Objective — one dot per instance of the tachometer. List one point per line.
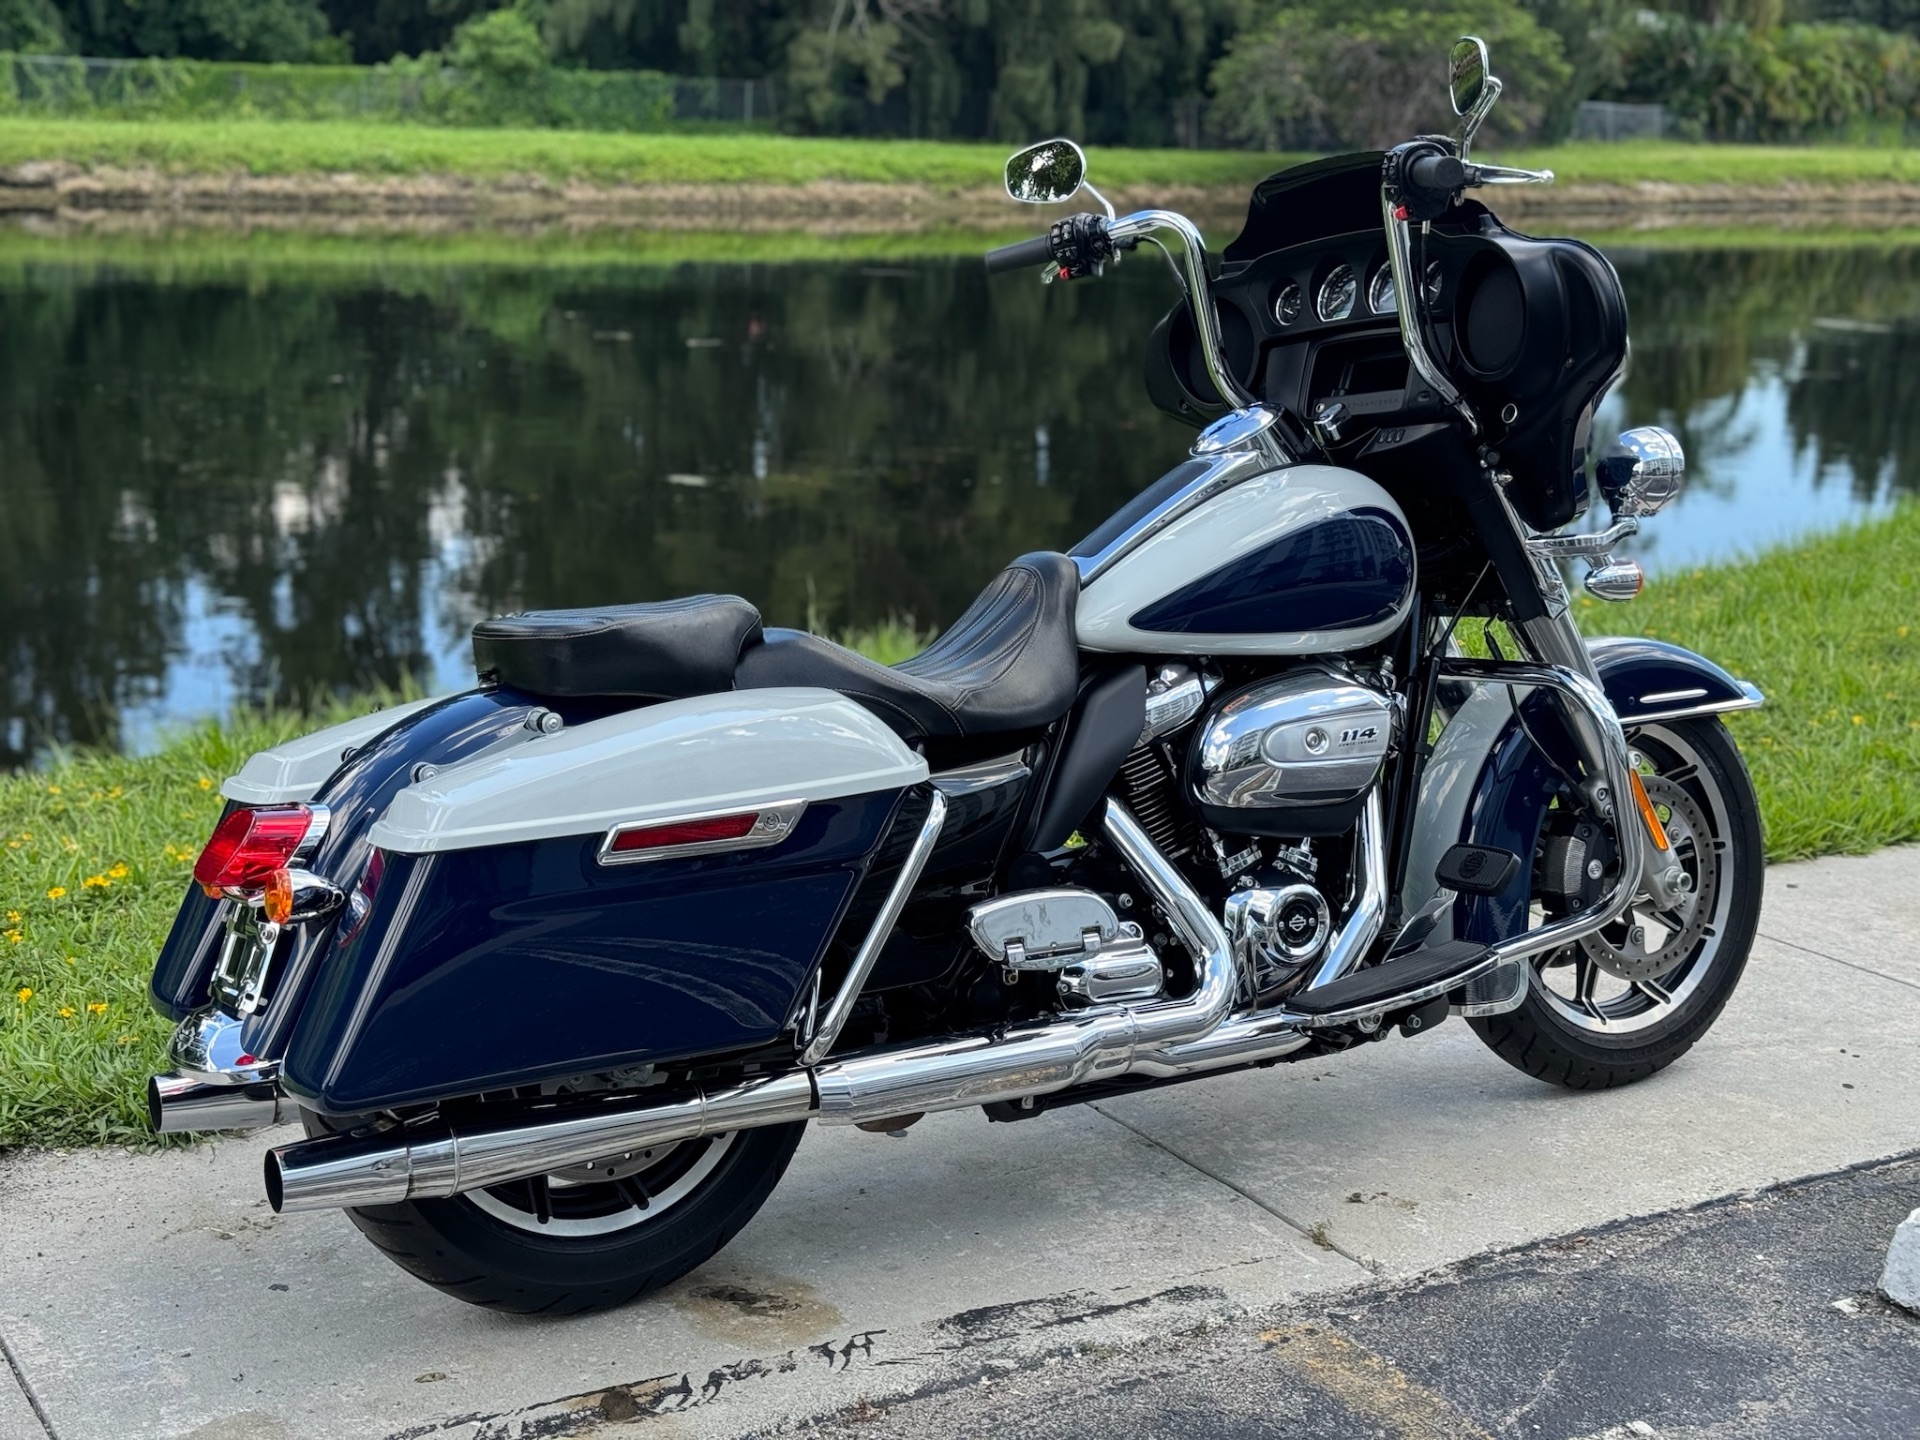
(1337, 294)
(1382, 298)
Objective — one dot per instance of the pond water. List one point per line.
(259, 486)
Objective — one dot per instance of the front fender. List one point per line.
(1487, 784)
(1652, 680)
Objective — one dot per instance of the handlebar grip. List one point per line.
(1020, 256)
(1437, 172)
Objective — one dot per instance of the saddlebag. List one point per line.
(645, 888)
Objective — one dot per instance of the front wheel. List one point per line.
(592, 1238)
(1627, 1002)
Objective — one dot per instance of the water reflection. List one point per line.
(220, 490)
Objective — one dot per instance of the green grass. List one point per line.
(1827, 628)
(293, 147)
(1829, 631)
(297, 147)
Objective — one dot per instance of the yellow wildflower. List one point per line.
(13, 844)
(56, 892)
(14, 937)
(26, 834)
(66, 1012)
(123, 1039)
(119, 871)
(23, 994)
(95, 882)
(13, 917)
(98, 1007)
(115, 793)
(205, 783)
(1859, 719)
(53, 789)
(1903, 630)
(69, 845)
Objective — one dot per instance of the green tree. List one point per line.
(201, 29)
(31, 27)
(1316, 73)
(504, 45)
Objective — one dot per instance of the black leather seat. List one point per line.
(663, 651)
(1010, 663)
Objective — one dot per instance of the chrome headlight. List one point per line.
(1643, 472)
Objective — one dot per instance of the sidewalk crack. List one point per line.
(1850, 964)
(19, 1374)
(1316, 1233)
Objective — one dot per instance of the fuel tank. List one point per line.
(1231, 557)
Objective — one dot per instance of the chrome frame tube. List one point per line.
(1412, 298)
(830, 1024)
(1356, 937)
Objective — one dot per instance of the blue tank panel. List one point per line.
(1345, 572)
(512, 964)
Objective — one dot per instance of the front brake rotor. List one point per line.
(1622, 948)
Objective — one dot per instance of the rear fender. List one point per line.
(354, 769)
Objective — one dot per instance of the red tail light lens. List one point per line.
(248, 846)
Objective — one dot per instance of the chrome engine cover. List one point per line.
(1075, 935)
(1291, 755)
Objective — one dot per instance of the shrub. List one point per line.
(1321, 73)
(1790, 83)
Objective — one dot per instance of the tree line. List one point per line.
(1271, 73)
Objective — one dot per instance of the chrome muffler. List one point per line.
(180, 1104)
(440, 1159)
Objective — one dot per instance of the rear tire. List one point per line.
(1609, 1032)
(491, 1249)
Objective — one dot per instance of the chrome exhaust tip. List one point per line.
(184, 1104)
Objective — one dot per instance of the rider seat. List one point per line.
(1010, 663)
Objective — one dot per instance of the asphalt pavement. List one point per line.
(1337, 1236)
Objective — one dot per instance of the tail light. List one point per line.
(251, 849)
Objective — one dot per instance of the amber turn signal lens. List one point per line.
(1654, 827)
(277, 902)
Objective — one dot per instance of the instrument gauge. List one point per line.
(1337, 294)
(1286, 305)
(1432, 282)
(1382, 298)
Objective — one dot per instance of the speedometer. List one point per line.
(1337, 294)
(1382, 298)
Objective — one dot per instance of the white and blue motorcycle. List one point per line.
(1299, 749)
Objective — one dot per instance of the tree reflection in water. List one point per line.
(354, 466)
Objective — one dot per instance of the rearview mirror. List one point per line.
(1467, 73)
(1047, 173)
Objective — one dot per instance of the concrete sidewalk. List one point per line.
(157, 1296)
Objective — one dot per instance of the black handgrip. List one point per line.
(1037, 251)
(1437, 172)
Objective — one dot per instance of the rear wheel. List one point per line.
(1624, 1004)
(589, 1238)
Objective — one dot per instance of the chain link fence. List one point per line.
(1611, 120)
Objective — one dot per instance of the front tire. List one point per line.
(1584, 1027)
(565, 1245)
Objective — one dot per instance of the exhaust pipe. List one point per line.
(439, 1160)
(180, 1104)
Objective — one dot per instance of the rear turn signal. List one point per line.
(250, 847)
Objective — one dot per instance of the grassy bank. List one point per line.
(1828, 630)
(294, 147)
(97, 849)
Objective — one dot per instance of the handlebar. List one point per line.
(1438, 172)
(1021, 255)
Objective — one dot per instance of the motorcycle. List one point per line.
(1298, 750)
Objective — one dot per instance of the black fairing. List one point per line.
(1532, 328)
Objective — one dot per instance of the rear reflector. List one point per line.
(248, 846)
(701, 834)
(684, 832)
